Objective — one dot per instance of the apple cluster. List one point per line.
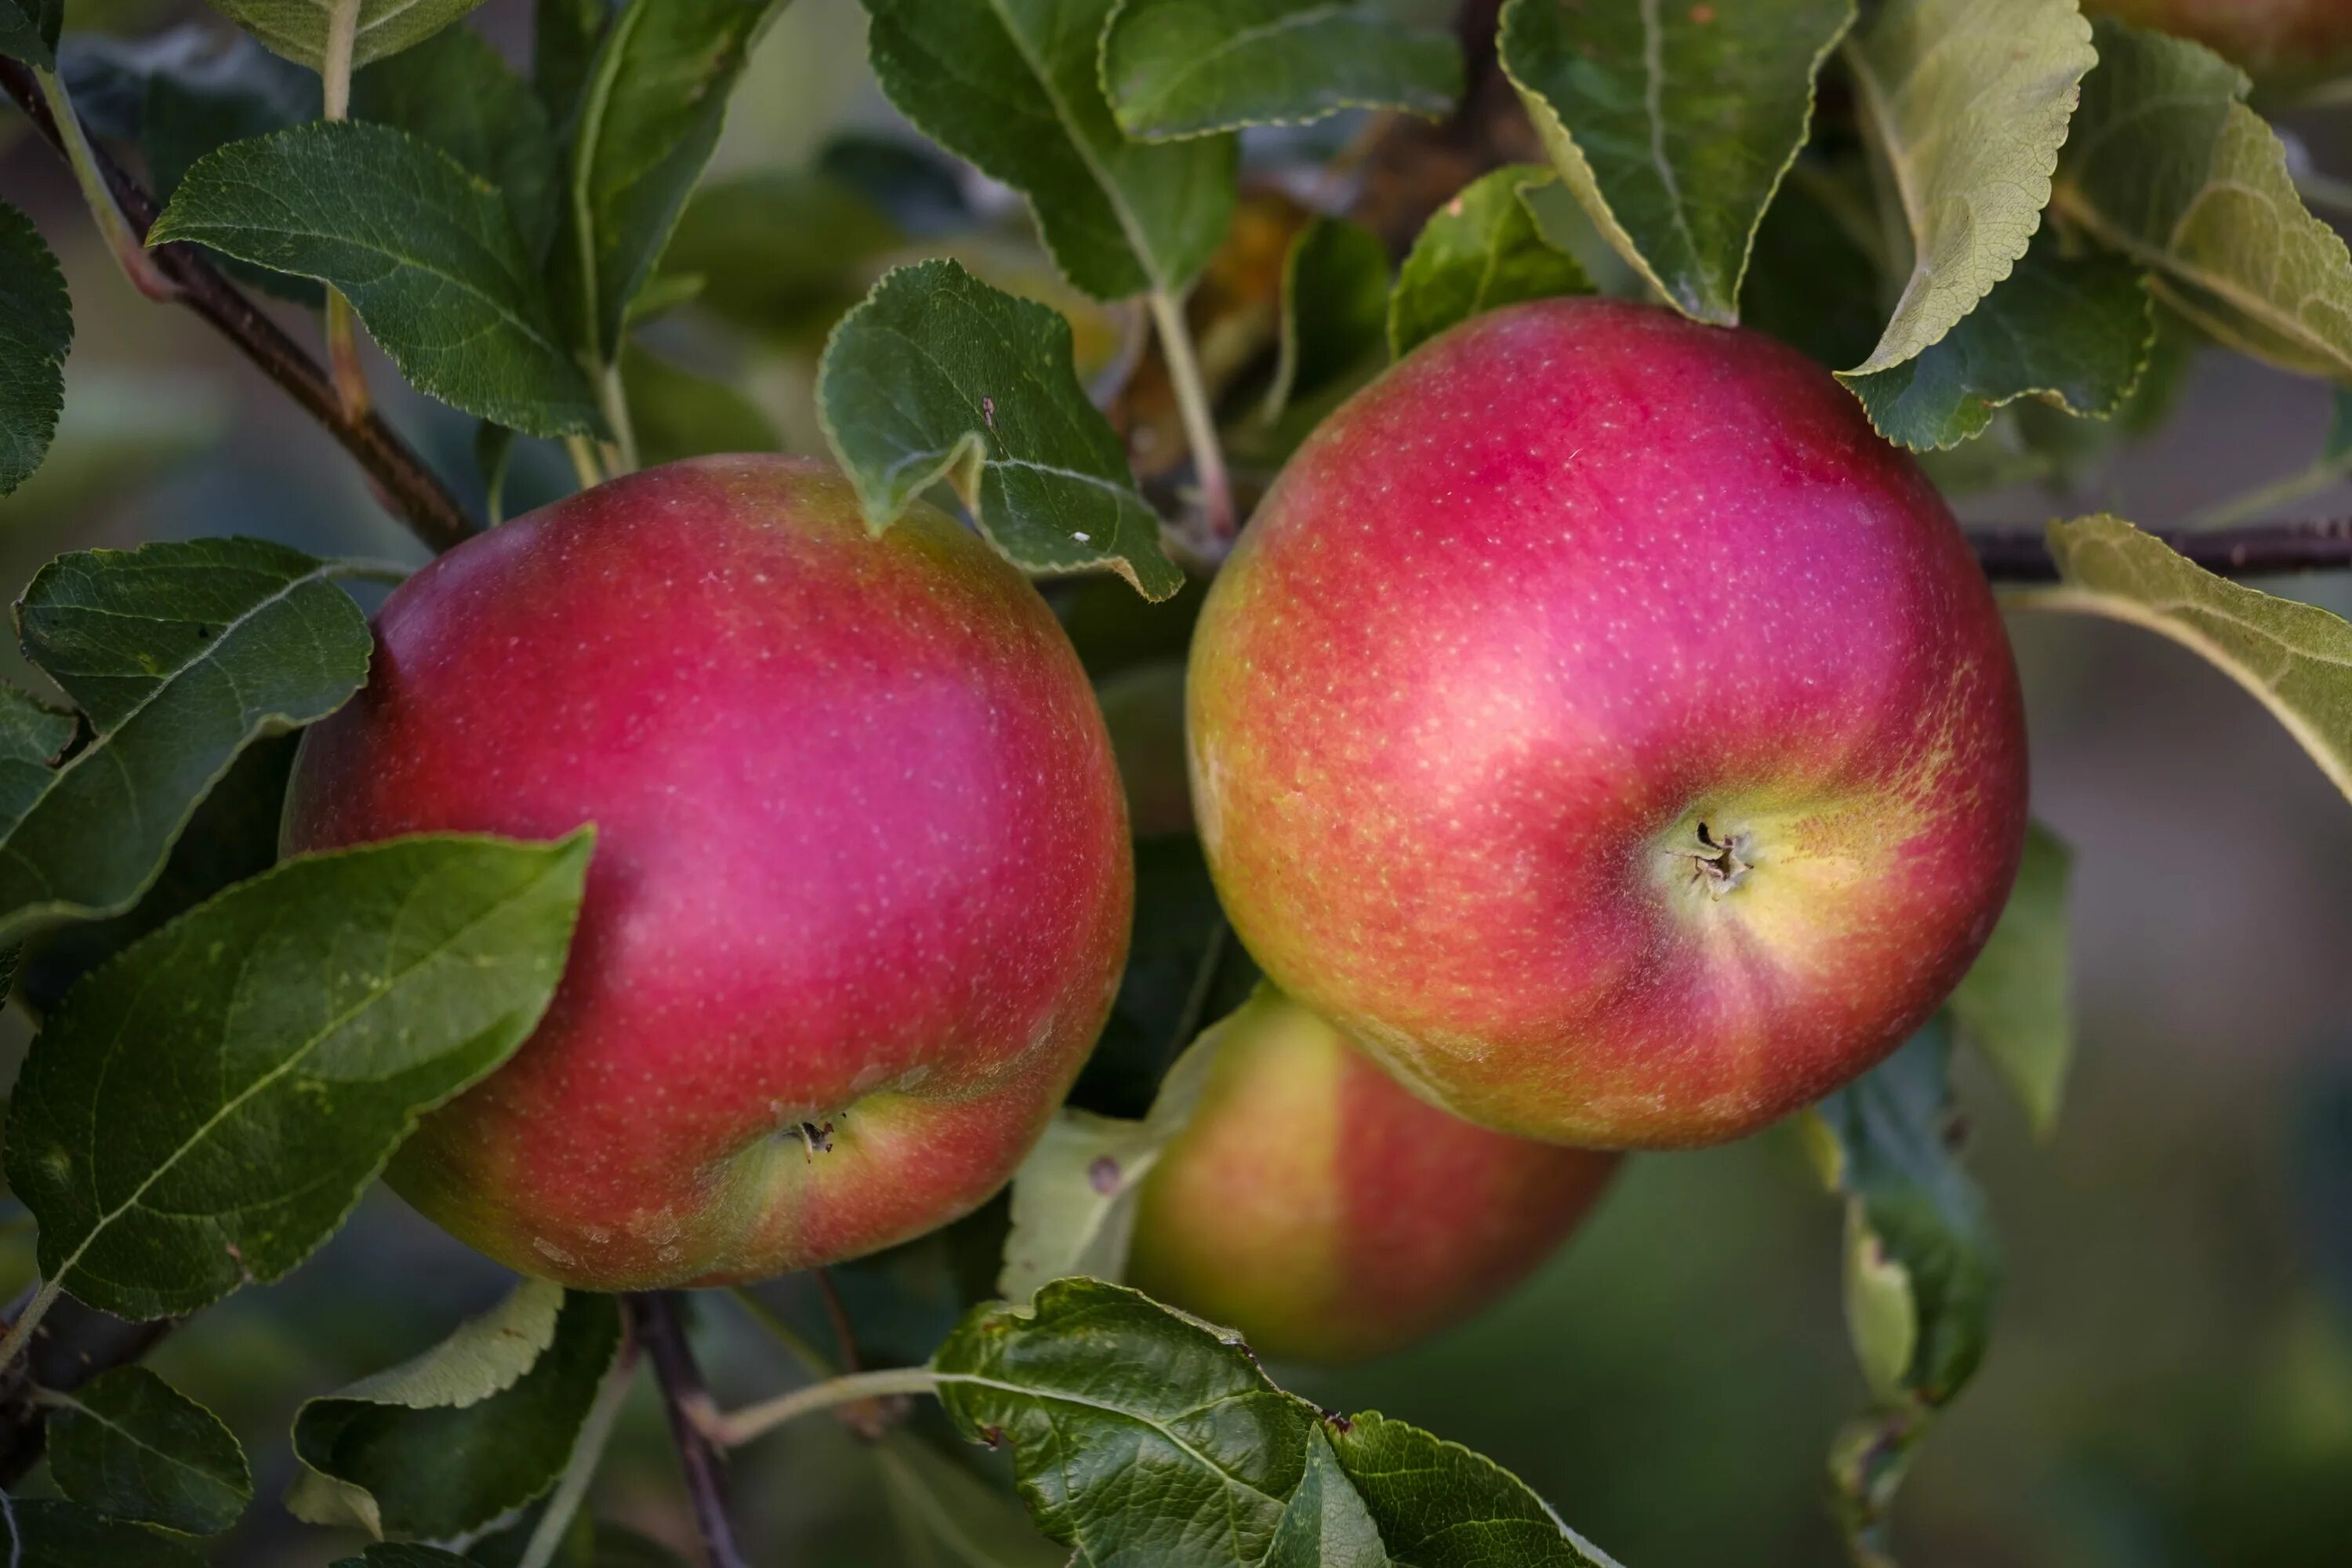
(1600, 739)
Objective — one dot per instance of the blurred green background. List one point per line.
(2170, 1385)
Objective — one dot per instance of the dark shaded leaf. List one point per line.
(204, 1109)
(131, 1446)
(783, 253)
(908, 183)
(28, 31)
(1335, 311)
(64, 1535)
(36, 331)
(678, 414)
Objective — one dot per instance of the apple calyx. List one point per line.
(1719, 864)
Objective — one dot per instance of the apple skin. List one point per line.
(2274, 40)
(861, 860)
(1567, 583)
(1329, 1214)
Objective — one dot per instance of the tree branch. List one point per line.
(408, 487)
(2011, 554)
(692, 1413)
(72, 1345)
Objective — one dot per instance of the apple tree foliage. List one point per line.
(1984, 216)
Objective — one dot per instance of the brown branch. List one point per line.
(407, 487)
(655, 1319)
(2011, 554)
(73, 1345)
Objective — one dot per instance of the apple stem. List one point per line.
(653, 1318)
(1216, 499)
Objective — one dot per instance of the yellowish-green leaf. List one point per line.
(1968, 103)
(298, 28)
(2013, 1004)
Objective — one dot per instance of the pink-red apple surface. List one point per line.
(861, 887)
(2287, 40)
(1330, 1215)
(1603, 726)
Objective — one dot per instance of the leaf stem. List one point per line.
(741, 1427)
(20, 1332)
(587, 1453)
(342, 329)
(613, 401)
(692, 1415)
(411, 489)
(584, 466)
(1200, 422)
(128, 245)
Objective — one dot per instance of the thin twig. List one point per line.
(1176, 351)
(587, 1453)
(409, 488)
(692, 1414)
(2011, 554)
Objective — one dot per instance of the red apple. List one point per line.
(1329, 1215)
(2272, 39)
(1604, 727)
(861, 888)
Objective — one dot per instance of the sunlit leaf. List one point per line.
(1186, 67)
(1479, 252)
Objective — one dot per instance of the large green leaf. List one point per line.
(180, 654)
(1480, 251)
(2295, 658)
(1187, 68)
(1438, 1505)
(64, 1535)
(649, 112)
(939, 376)
(130, 1446)
(2168, 165)
(28, 30)
(1966, 102)
(204, 1110)
(36, 331)
(426, 252)
(2074, 331)
(2013, 1003)
(1012, 85)
(1139, 1436)
(1674, 123)
(473, 1428)
(455, 93)
(298, 28)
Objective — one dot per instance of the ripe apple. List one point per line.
(1603, 726)
(1331, 1216)
(2288, 40)
(861, 888)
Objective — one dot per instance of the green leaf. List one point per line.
(427, 253)
(131, 1446)
(475, 1428)
(2168, 166)
(1012, 85)
(2074, 331)
(649, 114)
(1479, 252)
(1815, 279)
(180, 654)
(2012, 1005)
(1187, 68)
(36, 331)
(404, 1554)
(202, 1110)
(1674, 123)
(64, 1535)
(1966, 102)
(2295, 658)
(1438, 1505)
(1074, 1197)
(1097, 1389)
(1916, 1211)
(298, 28)
(979, 1522)
(28, 31)
(1326, 1524)
(1334, 309)
(678, 414)
(455, 92)
(939, 376)
(564, 34)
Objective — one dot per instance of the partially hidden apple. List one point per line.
(2274, 40)
(1329, 1214)
(1603, 726)
(861, 888)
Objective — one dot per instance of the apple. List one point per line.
(2281, 40)
(1604, 727)
(862, 880)
(1329, 1214)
